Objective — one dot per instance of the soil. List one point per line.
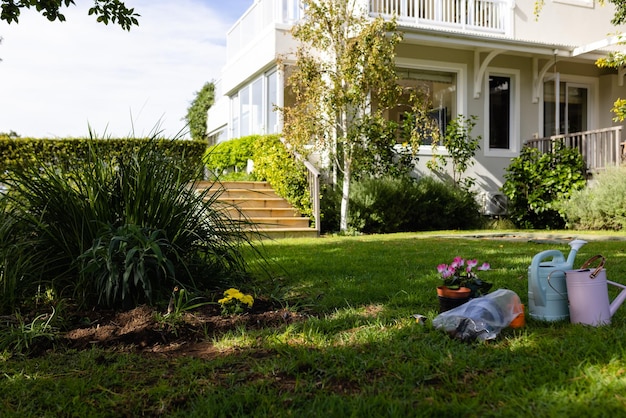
(143, 329)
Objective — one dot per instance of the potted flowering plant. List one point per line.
(460, 278)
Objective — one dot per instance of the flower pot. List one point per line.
(451, 298)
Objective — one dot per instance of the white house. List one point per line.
(523, 77)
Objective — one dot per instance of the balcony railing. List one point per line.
(600, 148)
(474, 15)
(491, 16)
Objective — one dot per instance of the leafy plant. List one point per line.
(197, 112)
(388, 204)
(234, 300)
(275, 164)
(127, 262)
(601, 205)
(135, 221)
(459, 273)
(461, 147)
(232, 155)
(536, 181)
(22, 335)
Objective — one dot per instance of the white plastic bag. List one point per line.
(482, 318)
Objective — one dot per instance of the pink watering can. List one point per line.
(588, 294)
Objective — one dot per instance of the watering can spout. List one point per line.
(619, 299)
(575, 246)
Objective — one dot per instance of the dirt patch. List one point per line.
(143, 329)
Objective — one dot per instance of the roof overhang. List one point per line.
(487, 42)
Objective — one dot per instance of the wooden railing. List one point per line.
(600, 148)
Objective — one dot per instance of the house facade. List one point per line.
(524, 77)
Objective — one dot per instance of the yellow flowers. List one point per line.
(233, 300)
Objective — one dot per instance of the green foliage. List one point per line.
(389, 204)
(21, 336)
(116, 231)
(19, 153)
(461, 147)
(288, 177)
(114, 11)
(601, 205)
(536, 181)
(272, 163)
(334, 97)
(197, 113)
(126, 262)
(230, 155)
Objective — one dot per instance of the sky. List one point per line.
(61, 79)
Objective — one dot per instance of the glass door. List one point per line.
(565, 106)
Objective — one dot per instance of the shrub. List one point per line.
(388, 204)
(16, 153)
(288, 177)
(536, 181)
(600, 206)
(230, 155)
(115, 231)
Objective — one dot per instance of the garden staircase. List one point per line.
(257, 202)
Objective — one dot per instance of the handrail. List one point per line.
(313, 180)
(600, 147)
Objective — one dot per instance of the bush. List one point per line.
(272, 163)
(17, 153)
(288, 177)
(115, 231)
(600, 206)
(387, 204)
(536, 181)
(230, 155)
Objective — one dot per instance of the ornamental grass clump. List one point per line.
(460, 273)
(116, 231)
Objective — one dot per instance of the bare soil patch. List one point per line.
(189, 334)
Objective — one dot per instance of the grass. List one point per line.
(359, 352)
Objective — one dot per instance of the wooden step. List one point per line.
(256, 202)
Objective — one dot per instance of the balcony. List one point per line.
(600, 148)
(477, 16)
(486, 16)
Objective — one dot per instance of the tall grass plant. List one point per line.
(116, 231)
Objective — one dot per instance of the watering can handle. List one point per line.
(598, 269)
(553, 288)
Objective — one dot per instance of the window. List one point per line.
(252, 108)
(440, 89)
(499, 112)
(502, 107)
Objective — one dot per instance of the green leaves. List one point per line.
(535, 181)
(197, 113)
(114, 11)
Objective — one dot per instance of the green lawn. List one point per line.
(359, 352)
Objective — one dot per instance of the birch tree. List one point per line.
(343, 81)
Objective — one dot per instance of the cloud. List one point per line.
(56, 79)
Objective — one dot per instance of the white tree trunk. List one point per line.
(345, 193)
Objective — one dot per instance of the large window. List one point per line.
(440, 95)
(253, 107)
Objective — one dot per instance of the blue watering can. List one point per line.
(547, 300)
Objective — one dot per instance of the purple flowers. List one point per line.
(460, 273)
